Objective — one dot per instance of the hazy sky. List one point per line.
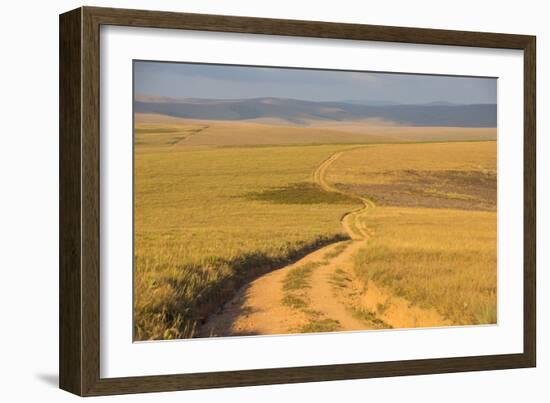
(184, 80)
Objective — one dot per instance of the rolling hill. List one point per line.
(299, 112)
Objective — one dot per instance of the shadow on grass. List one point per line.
(247, 268)
(230, 312)
(196, 296)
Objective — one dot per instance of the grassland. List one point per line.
(209, 219)
(400, 133)
(219, 204)
(441, 175)
(434, 226)
(182, 133)
(440, 258)
(273, 131)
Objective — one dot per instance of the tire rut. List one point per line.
(321, 304)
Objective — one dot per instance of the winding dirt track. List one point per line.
(353, 227)
(332, 299)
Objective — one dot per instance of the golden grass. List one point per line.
(227, 133)
(209, 218)
(385, 162)
(400, 133)
(359, 131)
(434, 257)
(445, 259)
(200, 230)
(445, 175)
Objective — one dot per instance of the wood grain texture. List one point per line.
(80, 200)
(70, 316)
(530, 202)
(90, 201)
(316, 29)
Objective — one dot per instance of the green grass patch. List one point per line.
(320, 325)
(340, 278)
(300, 193)
(336, 251)
(298, 277)
(369, 317)
(294, 301)
(312, 313)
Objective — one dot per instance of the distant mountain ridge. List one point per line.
(298, 112)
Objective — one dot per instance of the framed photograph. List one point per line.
(250, 201)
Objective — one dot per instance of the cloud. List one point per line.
(186, 80)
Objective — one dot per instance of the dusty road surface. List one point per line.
(320, 292)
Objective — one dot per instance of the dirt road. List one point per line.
(320, 292)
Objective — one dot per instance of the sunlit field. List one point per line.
(209, 219)
(439, 258)
(434, 227)
(216, 208)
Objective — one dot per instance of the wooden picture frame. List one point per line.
(79, 347)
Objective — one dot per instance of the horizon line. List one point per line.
(349, 101)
